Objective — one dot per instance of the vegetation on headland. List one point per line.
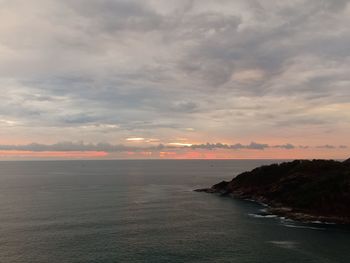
(317, 190)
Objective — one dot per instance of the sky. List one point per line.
(174, 79)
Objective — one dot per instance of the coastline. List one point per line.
(280, 210)
(301, 190)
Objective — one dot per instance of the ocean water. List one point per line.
(146, 211)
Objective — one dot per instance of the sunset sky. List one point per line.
(177, 79)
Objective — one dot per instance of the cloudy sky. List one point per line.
(174, 79)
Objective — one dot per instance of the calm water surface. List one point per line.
(146, 211)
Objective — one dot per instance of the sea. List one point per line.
(146, 211)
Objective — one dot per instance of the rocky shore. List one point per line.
(303, 190)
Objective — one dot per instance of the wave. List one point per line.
(284, 244)
(304, 227)
(262, 215)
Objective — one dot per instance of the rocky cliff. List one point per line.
(301, 189)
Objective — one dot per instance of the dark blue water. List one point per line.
(146, 211)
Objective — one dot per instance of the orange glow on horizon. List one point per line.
(272, 153)
(52, 154)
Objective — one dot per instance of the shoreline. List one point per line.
(282, 211)
(302, 190)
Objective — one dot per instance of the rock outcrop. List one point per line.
(317, 190)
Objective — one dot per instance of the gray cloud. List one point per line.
(107, 147)
(237, 146)
(113, 16)
(80, 146)
(285, 146)
(184, 106)
(326, 146)
(223, 68)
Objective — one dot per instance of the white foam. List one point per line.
(284, 244)
(323, 223)
(305, 227)
(262, 216)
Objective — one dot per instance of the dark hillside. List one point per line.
(303, 189)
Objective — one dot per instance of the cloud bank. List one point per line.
(200, 70)
(110, 148)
